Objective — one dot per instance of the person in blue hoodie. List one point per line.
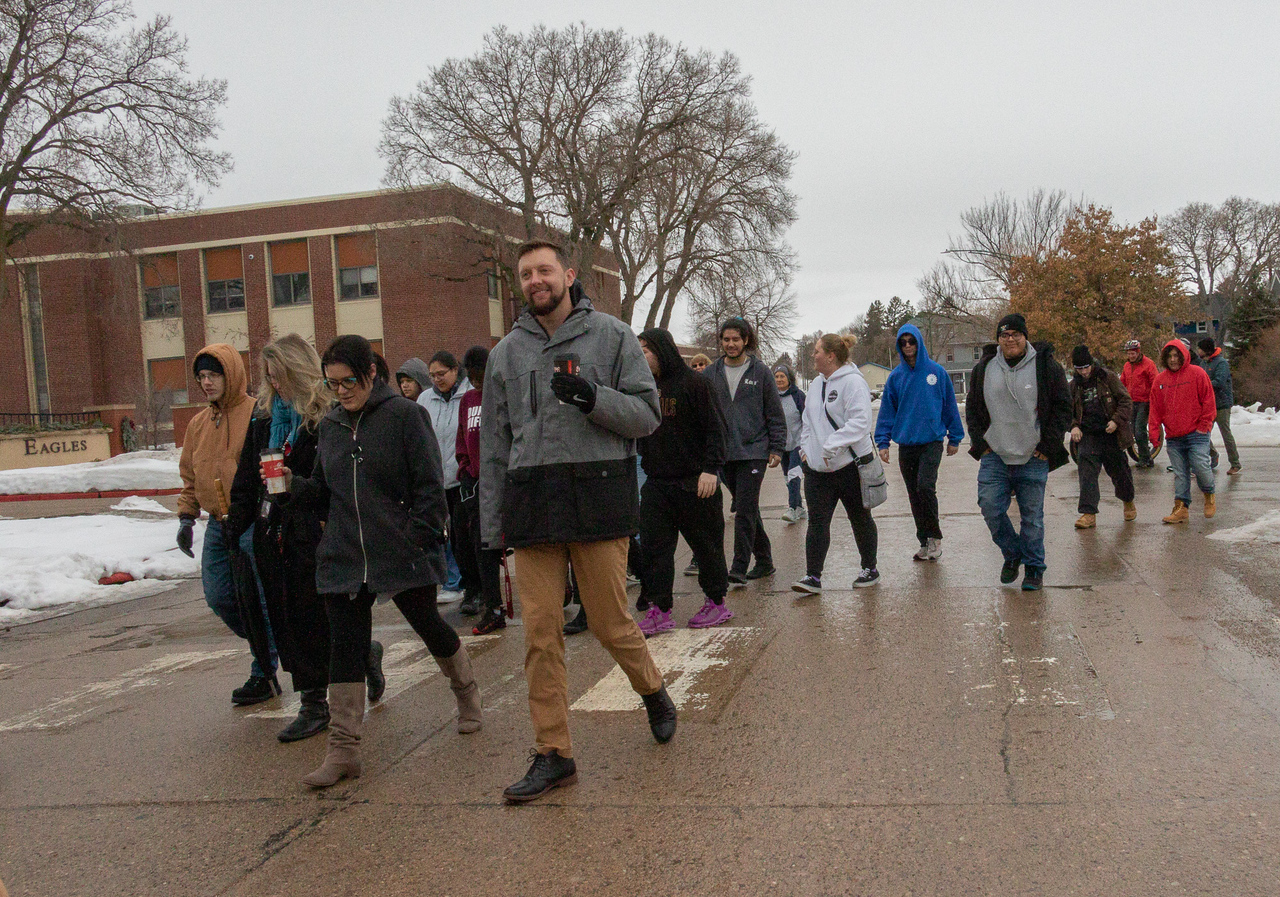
(917, 410)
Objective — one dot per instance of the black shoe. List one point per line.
(493, 620)
(692, 569)
(1009, 572)
(760, 571)
(737, 580)
(312, 719)
(375, 680)
(662, 714)
(868, 577)
(643, 603)
(578, 624)
(1033, 580)
(548, 771)
(255, 690)
(471, 605)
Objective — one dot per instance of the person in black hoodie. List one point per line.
(682, 461)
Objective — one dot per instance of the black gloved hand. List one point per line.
(574, 390)
(186, 534)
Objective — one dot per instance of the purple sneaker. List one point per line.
(656, 621)
(711, 614)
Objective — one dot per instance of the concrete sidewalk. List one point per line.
(1118, 733)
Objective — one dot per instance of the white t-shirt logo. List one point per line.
(932, 379)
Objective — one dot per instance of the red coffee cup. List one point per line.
(273, 471)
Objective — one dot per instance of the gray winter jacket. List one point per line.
(378, 473)
(443, 411)
(1219, 372)
(549, 473)
(757, 424)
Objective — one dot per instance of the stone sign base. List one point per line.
(51, 448)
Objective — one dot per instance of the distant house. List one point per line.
(876, 375)
(954, 344)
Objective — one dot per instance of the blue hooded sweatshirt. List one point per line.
(919, 403)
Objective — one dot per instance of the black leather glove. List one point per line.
(186, 534)
(574, 390)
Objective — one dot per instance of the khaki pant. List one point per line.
(601, 569)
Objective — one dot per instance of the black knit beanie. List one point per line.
(1080, 357)
(1012, 321)
(207, 362)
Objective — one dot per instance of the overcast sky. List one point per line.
(903, 114)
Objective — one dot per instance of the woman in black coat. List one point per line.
(380, 479)
(291, 401)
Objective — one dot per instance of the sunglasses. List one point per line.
(345, 382)
(907, 341)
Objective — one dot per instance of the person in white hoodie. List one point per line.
(835, 441)
(442, 401)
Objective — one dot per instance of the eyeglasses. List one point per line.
(440, 375)
(345, 382)
(1009, 334)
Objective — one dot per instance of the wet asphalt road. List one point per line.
(1118, 733)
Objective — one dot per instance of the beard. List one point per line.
(545, 304)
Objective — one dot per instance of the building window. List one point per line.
(357, 266)
(957, 381)
(951, 354)
(224, 279)
(290, 273)
(495, 286)
(161, 296)
(1202, 327)
(169, 375)
(977, 353)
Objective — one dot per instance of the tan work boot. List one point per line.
(1210, 504)
(1087, 521)
(1130, 511)
(458, 669)
(346, 717)
(1180, 513)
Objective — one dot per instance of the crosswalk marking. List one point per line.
(83, 701)
(682, 656)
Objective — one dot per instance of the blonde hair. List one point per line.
(699, 358)
(297, 363)
(837, 345)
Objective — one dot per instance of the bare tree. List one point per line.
(96, 114)
(759, 292)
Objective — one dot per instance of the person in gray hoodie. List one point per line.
(566, 394)
(443, 402)
(413, 379)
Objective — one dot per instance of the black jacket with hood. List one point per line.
(1053, 405)
(690, 439)
(756, 425)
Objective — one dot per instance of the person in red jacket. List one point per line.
(1137, 376)
(1182, 402)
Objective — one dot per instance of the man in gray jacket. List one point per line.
(1219, 371)
(566, 394)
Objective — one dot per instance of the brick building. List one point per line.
(100, 319)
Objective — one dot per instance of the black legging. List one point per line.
(351, 627)
(822, 491)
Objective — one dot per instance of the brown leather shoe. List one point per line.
(1180, 513)
(1130, 511)
(1210, 504)
(1087, 521)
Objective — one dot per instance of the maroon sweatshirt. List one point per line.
(468, 446)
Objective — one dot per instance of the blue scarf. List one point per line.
(285, 421)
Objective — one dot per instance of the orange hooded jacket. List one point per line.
(214, 438)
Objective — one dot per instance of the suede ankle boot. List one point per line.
(346, 717)
(458, 669)
(312, 719)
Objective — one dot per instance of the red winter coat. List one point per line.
(1182, 400)
(1137, 379)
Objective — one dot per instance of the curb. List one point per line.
(108, 493)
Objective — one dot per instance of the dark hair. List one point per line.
(1206, 345)
(444, 357)
(356, 353)
(528, 246)
(745, 330)
(476, 358)
(381, 369)
(663, 347)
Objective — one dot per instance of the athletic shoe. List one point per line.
(736, 580)
(1033, 581)
(1235, 469)
(632, 580)
(789, 515)
(471, 605)
(1009, 572)
(934, 547)
(866, 578)
(801, 513)
(692, 569)
(923, 553)
(711, 614)
(760, 571)
(445, 596)
(493, 620)
(255, 690)
(578, 624)
(656, 621)
(810, 585)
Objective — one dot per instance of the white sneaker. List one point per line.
(933, 547)
(446, 597)
(802, 514)
(789, 516)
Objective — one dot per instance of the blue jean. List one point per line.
(453, 576)
(220, 589)
(998, 484)
(1189, 454)
(791, 460)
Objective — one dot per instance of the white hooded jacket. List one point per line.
(847, 398)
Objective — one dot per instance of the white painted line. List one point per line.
(406, 664)
(681, 656)
(84, 701)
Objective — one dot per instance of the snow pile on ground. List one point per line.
(132, 470)
(58, 560)
(138, 503)
(1265, 529)
(1252, 426)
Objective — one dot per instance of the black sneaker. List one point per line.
(1009, 572)
(662, 714)
(374, 679)
(866, 578)
(760, 571)
(578, 624)
(255, 690)
(492, 621)
(737, 580)
(471, 605)
(548, 771)
(692, 569)
(810, 585)
(1033, 580)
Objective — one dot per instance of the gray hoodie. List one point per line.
(1011, 394)
(548, 472)
(417, 370)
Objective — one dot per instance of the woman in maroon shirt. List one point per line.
(489, 559)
